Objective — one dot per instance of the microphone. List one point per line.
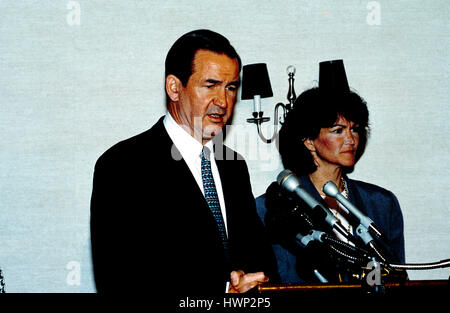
(287, 180)
(284, 220)
(366, 226)
(331, 190)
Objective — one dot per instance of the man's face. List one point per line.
(207, 102)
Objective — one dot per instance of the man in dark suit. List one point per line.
(169, 215)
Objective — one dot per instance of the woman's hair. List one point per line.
(311, 112)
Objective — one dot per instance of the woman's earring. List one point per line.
(316, 163)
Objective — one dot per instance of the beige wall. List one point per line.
(68, 91)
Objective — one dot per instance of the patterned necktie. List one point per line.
(211, 196)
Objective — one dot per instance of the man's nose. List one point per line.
(221, 99)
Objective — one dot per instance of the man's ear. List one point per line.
(309, 144)
(173, 87)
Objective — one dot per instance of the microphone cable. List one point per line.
(353, 253)
(422, 266)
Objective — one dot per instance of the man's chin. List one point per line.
(210, 133)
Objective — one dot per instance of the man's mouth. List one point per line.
(216, 117)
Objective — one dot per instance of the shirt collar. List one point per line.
(188, 146)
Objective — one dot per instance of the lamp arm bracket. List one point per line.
(276, 121)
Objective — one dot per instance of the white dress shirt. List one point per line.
(190, 149)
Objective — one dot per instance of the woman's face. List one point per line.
(336, 145)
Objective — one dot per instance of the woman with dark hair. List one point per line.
(322, 138)
(315, 114)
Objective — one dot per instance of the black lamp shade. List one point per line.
(255, 81)
(332, 78)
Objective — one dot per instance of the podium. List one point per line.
(408, 287)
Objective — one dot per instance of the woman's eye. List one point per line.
(337, 130)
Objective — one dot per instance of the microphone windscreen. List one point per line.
(283, 174)
(287, 180)
(330, 189)
(284, 219)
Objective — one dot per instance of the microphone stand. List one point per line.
(287, 180)
(364, 234)
(336, 244)
(353, 254)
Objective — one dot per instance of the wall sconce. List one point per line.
(256, 85)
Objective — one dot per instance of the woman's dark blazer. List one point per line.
(377, 203)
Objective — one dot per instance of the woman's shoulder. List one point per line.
(366, 189)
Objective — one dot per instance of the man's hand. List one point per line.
(241, 282)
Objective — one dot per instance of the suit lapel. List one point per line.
(306, 184)
(355, 198)
(225, 159)
(193, 198)
(183, 177)
(354, 195)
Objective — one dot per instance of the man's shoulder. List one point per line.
(133, 147)
(225, 153)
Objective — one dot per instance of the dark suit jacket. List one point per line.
(377, 203)
(152, 230)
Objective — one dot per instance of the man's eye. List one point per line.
(337, 130)
(232, 88)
